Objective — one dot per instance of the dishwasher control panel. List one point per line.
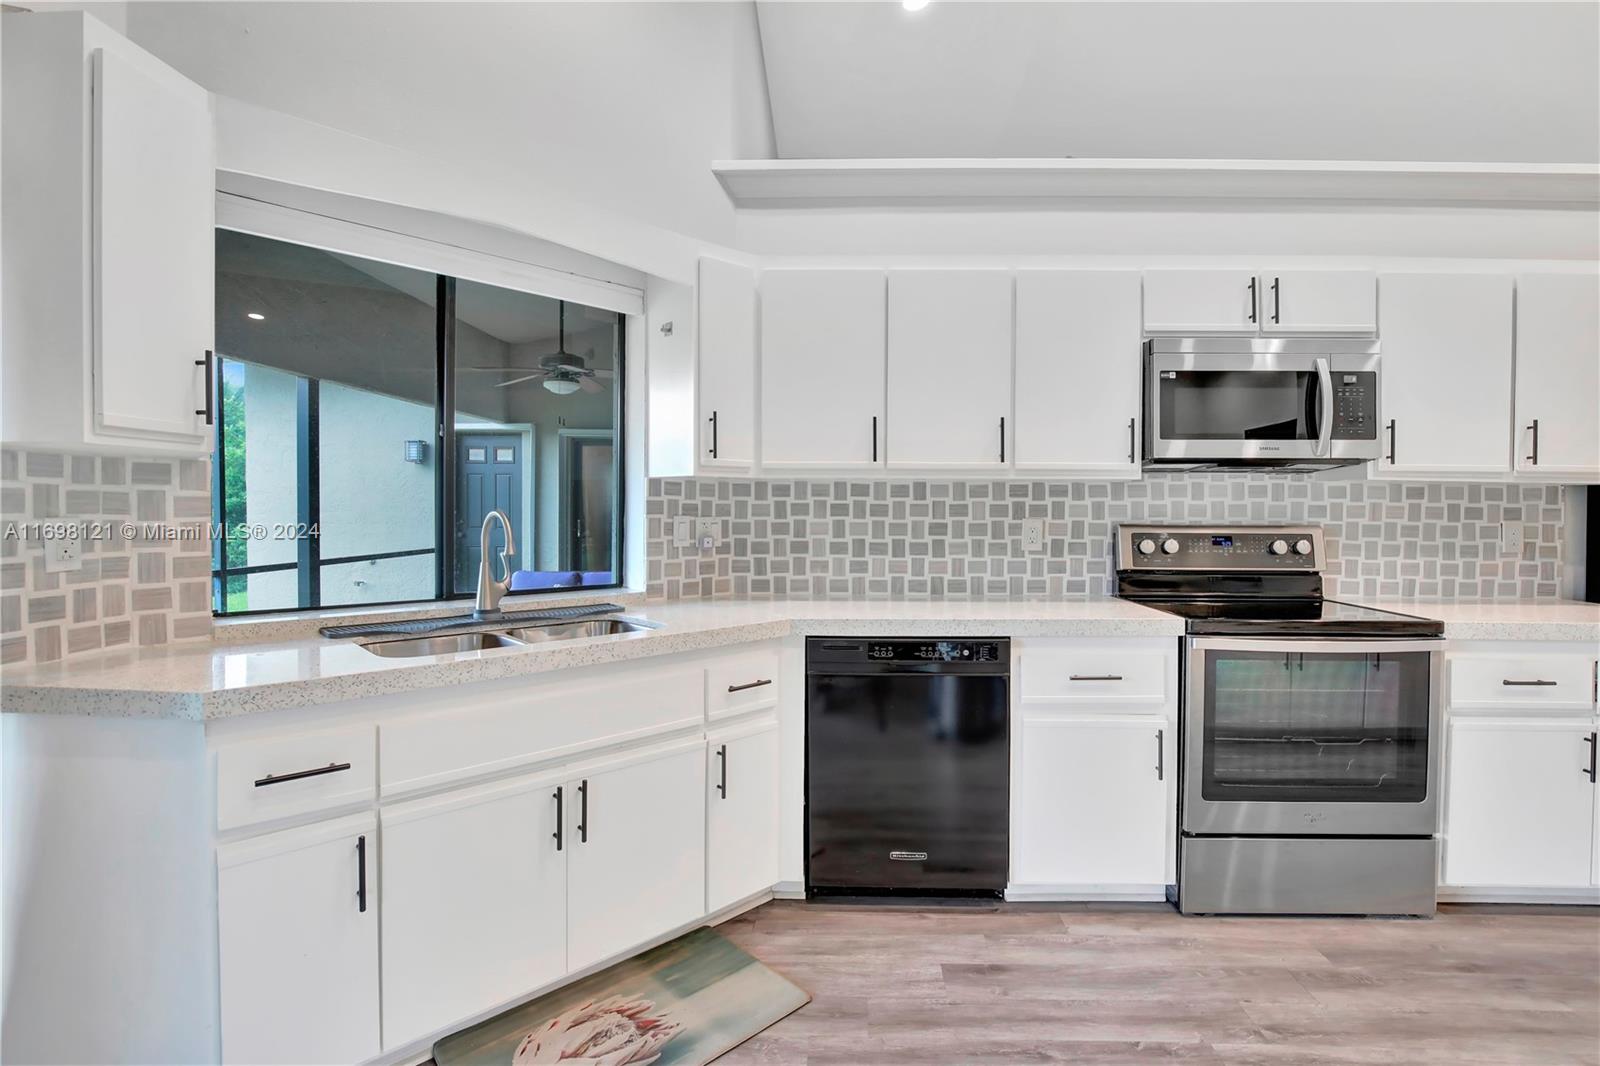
(988, 655)
(934, 651)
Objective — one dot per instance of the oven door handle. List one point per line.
(1312, 645)
(1324, 441)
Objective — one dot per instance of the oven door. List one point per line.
(1312, 737)
(1265, 407)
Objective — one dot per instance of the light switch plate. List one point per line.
(63, 554)
(1033, 535)
(682, 532)
(1511, 538)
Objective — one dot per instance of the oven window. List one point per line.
(1238, 404)
(1315, 727)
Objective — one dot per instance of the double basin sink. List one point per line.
(487, 639)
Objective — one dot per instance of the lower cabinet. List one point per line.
(474, 902)
(741, 812)
(1520, 807)
(1096, 806)
(298, 939)
(636, 856)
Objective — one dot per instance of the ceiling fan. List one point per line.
(561, 372)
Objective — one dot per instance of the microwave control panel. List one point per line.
(1355, 405)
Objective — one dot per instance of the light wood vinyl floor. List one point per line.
(1090, 983)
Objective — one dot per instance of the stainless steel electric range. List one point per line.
(1310, 727)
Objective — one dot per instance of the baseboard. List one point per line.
(1086, 893)
(1511, 894)
(789, 890)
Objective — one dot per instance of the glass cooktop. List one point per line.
(1259, 616)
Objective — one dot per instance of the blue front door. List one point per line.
(488, 478)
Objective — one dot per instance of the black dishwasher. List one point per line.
(907, 766)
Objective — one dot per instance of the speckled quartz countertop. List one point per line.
(1559, 620)
(220, 679)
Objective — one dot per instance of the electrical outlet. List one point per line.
(682, 532)
(1033, 535)
(708, 530)
(1511, 538)
(63, 554)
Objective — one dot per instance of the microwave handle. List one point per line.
(1324, 442)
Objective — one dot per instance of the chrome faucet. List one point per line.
(490, 590)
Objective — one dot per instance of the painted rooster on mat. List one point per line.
(611, 1032)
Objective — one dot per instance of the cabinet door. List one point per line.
(1201, 301)
(1558, 375)
(1078, 366)
(741, 814)
(1446, 382)
(1319, 301)
(474, 903)
(298, 941)
(1519, 809)
(636, 868)
(154, 191)
(822, 365)
(949, 369)
(727, 370)
(1094, 808)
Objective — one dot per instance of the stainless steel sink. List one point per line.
(449, 644)
(595, 627)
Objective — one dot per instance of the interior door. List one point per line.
(636, 868)
(949, 404)
(474, 905)
(1558, 375)
(822, 368)
(1446, 381)
(590, 469)
(297, 924)
(488, 478)
(741, 813)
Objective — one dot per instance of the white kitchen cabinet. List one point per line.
(741, 812)
(474, 903)
(1318, 301)
(726, 374)
(1519, 806)
(1201, 301)
(1078, 371)
(297, 920)
(822, 369)
(1446, 386)
(1096, 807)
(949, 369)
(109, 214)
(1558, 376)
(636, 858)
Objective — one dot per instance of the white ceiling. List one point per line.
(1498, 82)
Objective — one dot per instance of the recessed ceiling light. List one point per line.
(913, 5)
(255, 315)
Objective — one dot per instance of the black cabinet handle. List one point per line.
(1528, 684)
(361, 874)
(1534, 458)
(722, 785)
(1133, 441)
(750, 684)
(300, 775)
(1161, 755)
(1094, 677)
(874, 438)
(1252, 299)
(1593, 740)
(583, 811)
(1275, 300)
(1391, 442)
(559, 818)
(713, 434)
(1002, 438)
(207, 362)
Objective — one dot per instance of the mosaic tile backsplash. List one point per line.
(822, 539)
(149, 588)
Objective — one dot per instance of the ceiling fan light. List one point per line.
(561, 386)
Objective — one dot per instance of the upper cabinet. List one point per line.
(1077, 372)
(108, 213)
(726, 334)
(949, 375)
(1242, 302)
(1558, 377)
(822, 369)
(1446, 379)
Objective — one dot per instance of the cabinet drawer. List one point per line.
(510, 727)
(1095, 675)
(742, 682)
(1549, 682)
(280, 777)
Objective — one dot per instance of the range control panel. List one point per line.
(1273, 548)
(1355, 405)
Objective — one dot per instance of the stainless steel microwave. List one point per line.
(1292, 403)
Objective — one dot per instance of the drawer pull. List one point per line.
(278, 779)
(1094, 677)
(1528, 684)
(750, 684)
